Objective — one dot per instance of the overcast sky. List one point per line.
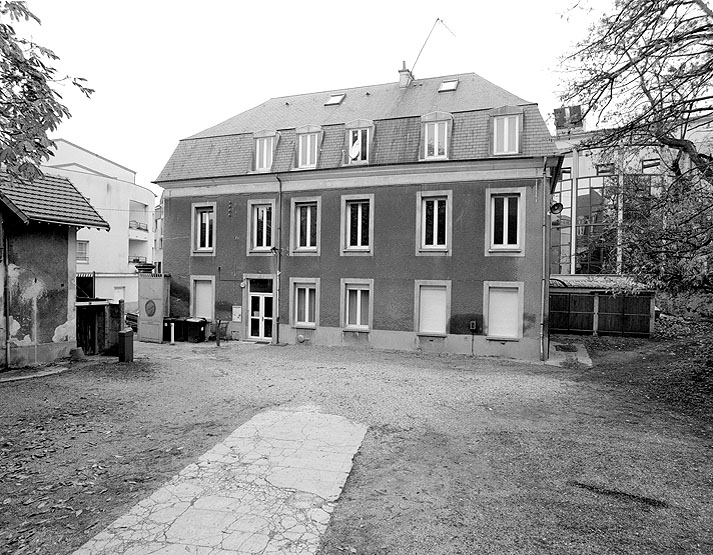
(166, 69)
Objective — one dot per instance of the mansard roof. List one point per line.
(225, 149)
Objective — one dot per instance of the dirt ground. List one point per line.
(463, 454)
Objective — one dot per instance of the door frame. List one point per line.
(246, 304)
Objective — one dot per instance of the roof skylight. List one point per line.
(449, 85)
(335, 99)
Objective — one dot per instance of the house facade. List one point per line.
(128, 207)
(38, 229)
(407, 215)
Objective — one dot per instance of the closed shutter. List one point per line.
(504, 312)
(432, 318)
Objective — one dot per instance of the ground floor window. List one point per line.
(432, 306)
(304, 301)
(357, 303)
(503, 309)
(202, 297)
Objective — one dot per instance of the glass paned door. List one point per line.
(261, 310)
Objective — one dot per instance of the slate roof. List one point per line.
(49, 199)
(226, 149)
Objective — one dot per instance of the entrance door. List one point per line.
(261, 309)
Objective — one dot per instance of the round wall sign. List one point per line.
(150, 308)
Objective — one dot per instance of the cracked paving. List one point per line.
(269, 487)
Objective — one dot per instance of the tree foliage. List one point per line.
(30, 107)
(644, 78)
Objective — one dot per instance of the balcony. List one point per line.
(138, 231)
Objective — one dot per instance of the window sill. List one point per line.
(431, 334)
(433, 252)
(357, 252)
(356, 330)
(304, 326)
(496, 338)
(203, 253)
(260, 252)
(305, 252)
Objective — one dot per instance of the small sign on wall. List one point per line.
(237, 313)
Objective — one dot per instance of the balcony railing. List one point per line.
(137, 259)
(133, 224)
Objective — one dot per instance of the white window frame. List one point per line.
(418, 285)
(363, 134)
(196, 210)
(491, 249)
(254, 206)
(264, 153)
(85, 258)
(303, 283)
(518, 286)
(295, 247)
(431, 131)
(193, 280)
(345, 229)
(422, 249)
(356, 284)
(308, 150)
(506, 133)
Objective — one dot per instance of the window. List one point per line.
(605, 169)
(357, 224)
(202, 296)
(506, 134)
(308, 138)
(335, 99)
(83, 251)
(305, 226)
(204, 228)
(357, 303)
(264, 147)
(304, 301)
(434, 222)
(435, 139)
(260, 222)
(432, 306)
(358, 145)
(505, 222)
(447, 86)
(436, 128)
(503, 309)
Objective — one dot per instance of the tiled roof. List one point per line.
(227, 148)
(372, 102)
(50, 199)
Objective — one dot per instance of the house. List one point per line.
(109, 258)
(39, 223)
(406, 215)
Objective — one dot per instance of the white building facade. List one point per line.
(128, 208)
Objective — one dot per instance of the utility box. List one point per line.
(126, 346)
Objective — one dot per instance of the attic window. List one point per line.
(447, 86)
(335, 99)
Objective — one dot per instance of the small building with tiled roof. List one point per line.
(405, 215)
(39, 222)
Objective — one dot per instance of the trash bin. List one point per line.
(195, 329)
(126, 346)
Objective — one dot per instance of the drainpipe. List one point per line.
(278, 262)
(543, 292)
(5, 290)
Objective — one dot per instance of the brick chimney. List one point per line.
(405, 76)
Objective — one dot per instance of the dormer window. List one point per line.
(335, 99)
(308, 141)
(358, 137)
(506, 125)
(448, 86)
(436, 128)
(265, 142)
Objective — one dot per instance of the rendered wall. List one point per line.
(41, 287)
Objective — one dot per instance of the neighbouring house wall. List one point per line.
(41, 283)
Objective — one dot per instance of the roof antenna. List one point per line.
(428, 37)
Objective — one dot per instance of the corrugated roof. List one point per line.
(374, 102)
(50, 199)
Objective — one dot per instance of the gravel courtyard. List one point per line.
(462, 455)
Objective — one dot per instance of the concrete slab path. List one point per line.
(270, 487)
